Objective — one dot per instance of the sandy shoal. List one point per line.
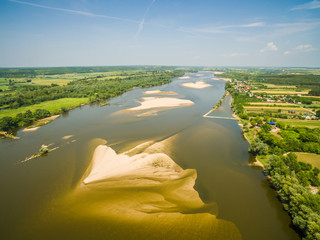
(184, 77)
(161, 102)
(217, 73)
(197, 85)
(30, 129)
(158, 92)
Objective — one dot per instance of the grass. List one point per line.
(280, 91)
(274, 109)
(312, 158)
(279, 86)
(301, 123)
(273, 104)
(52, 106)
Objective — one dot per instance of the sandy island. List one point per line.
(217, 73)
(161, 102)
(197, 85)
(145, 188)
(158, 92)
(184, 77)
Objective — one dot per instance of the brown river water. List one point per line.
(45, 198)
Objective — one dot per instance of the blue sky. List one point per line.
(37, 33)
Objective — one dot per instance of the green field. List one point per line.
(313, 159)
(280, 91)
(52, 106)
(301, 123)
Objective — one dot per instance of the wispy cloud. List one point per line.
(235, 54)
(270, 47)
(141, 24)
(222, 28)
(301, 48)
(308, 6)
(88, 14)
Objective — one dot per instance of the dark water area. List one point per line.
(215, 148)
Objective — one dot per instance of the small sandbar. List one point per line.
(158, 92)
(184, 77)
(67, 137)
(30, 129)
(161, 102)
(217, 73)
(197, 85)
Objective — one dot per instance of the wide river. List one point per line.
(45, 198)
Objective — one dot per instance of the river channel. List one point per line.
(43, 198)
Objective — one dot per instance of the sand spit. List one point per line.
(161, 102)
(197, 85)
(158, 92)
(30, 129)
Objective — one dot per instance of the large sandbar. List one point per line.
(161, 102)
(158, 92)
(197, 85)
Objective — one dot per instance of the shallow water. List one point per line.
(37, 197)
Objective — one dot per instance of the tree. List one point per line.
(7, 123)
(258, 147)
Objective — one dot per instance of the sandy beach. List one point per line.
(197, 85)
(161, 102)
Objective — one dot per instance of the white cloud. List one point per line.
(310, 5)
(271, 47)
(300, 48)
(304, 48)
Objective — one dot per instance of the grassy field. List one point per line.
(52, 106)
(301, 123)
(274, 109)
(280, 92)
(279, 86)
(312, 158)
(272, 104)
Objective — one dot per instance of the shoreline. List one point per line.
(256, 163)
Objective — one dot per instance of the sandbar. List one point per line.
(217, 73)
(158, 92)
(184, 77)
(145, 188)
(161, 102)
(30, 129)
(197, 85)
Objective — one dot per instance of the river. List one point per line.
(35, 200)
